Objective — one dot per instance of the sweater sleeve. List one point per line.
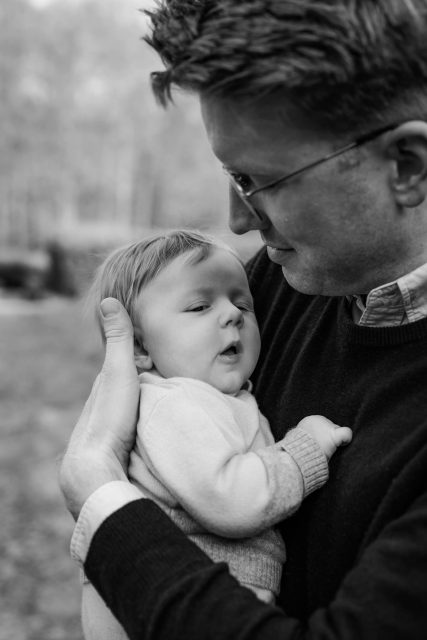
(161, 587)
(199, 455)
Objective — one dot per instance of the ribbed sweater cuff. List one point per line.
(308, 456)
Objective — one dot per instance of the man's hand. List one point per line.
(329, 436)
(100, 444)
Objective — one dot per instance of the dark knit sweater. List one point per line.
(357, 548)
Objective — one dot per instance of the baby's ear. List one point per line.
(143, 362)
(142, 358)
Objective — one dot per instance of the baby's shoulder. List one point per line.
(176, 390)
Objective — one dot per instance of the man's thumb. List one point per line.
(118, 330)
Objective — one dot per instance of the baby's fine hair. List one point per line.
(128, 269)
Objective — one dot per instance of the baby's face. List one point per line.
(197, 321)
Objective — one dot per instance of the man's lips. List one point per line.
(279, 254)
(271, 245)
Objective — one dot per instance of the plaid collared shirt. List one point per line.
(395, 303)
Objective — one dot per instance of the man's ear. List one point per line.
(407, 147)
(141, 356)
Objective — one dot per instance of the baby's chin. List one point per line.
(230, 385)
(232, 388)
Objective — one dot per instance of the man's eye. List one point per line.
(243, 180)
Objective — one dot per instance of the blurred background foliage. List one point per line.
(83, 141)
(88, 159)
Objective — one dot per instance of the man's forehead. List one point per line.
(244, 132)
(247, 113)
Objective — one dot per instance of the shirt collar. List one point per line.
(399, 302)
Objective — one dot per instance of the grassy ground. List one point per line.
(48, 359)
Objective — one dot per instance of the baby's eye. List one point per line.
(198, 307)
(245, 306)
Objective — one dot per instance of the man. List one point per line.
(317, 112)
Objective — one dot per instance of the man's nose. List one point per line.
(243, 216)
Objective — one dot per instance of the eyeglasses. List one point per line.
(238, 180)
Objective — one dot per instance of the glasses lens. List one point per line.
(242, 182)
(245, 201)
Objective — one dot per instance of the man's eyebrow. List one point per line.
(232, 168)
(249, 171)
(241, 169)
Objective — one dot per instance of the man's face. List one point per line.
(197, 321)
(334, 229)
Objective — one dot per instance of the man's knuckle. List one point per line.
(117, 335)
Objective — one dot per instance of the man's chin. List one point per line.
(303, 283)
(316, 286)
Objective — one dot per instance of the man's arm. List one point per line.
(162, 587)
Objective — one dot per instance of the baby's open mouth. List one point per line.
(230, 351)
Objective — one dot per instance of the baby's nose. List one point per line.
(232, 315)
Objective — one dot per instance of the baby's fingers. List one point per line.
(342, 436)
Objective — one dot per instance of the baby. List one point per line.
(204, 452)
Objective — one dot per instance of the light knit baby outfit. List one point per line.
(210, 461)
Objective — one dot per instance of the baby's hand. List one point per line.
(329, 436)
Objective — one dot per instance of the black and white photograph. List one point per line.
(213, 320)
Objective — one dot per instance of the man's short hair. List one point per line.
(340, 62)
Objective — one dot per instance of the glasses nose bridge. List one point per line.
(244, 218)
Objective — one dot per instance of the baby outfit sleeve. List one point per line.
(295, 467)
(197, 451)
